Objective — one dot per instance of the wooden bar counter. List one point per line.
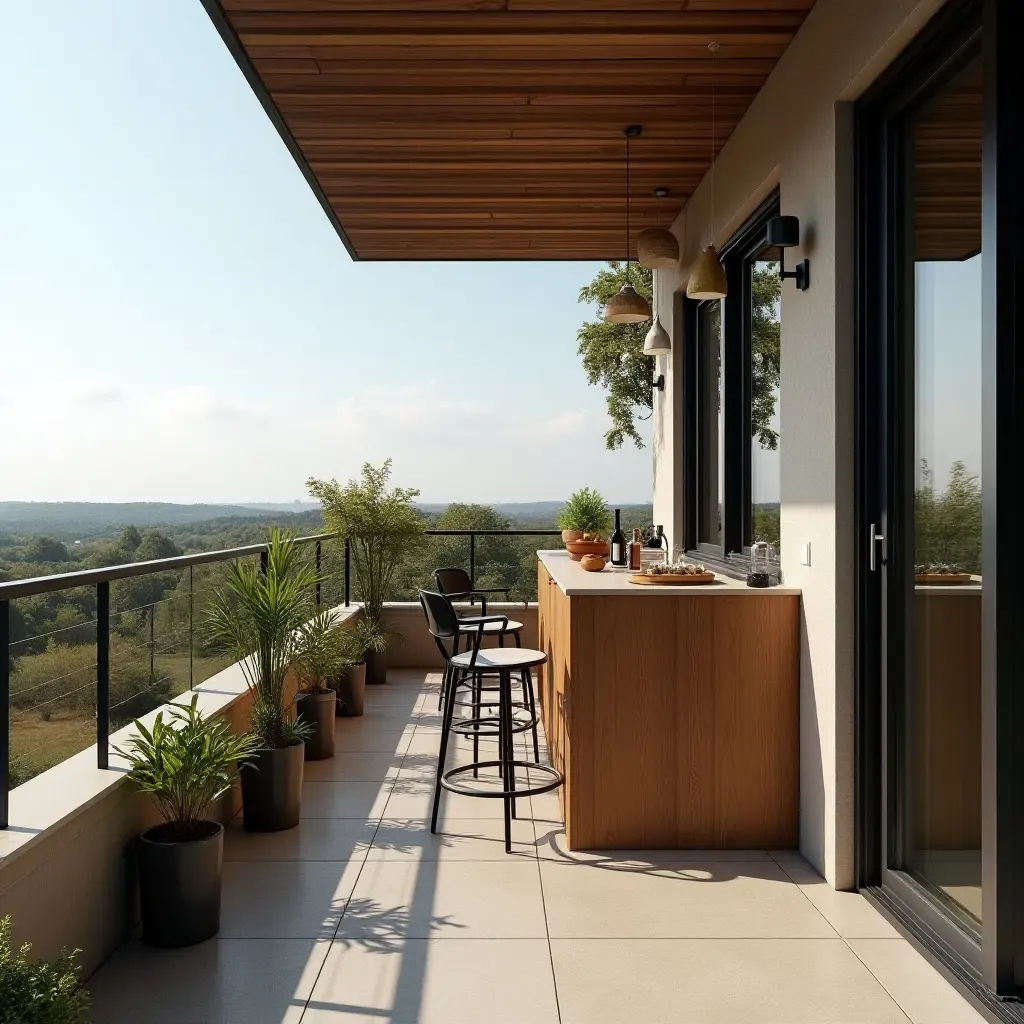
(673, 712)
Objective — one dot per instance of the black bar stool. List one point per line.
(444, 626)
(457, 585)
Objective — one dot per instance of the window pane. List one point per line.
(942, 756)
(711, 471)
(765, 466)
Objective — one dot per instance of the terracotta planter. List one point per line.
(578, 548)
(571, 535)
(317, 711)
(272, 789)
(179, 884)
(350, 687)
(376, 667)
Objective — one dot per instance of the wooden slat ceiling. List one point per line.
(492, 129)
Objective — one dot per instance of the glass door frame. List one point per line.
(990, 959)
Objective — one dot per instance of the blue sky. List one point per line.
(179, 322)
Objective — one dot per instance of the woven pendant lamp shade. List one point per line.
(707, 277)
(627, 307)
(657, 249)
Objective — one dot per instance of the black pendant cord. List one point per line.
(713, 47)
(628, 275)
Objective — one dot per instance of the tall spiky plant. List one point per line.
(382, 526)
(256, 617)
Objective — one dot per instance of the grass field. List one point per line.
(41, 740)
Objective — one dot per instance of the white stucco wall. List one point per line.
(798, 134)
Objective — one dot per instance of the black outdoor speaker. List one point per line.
(783, 232)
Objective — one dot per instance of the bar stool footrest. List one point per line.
(499, 794)
(470, 726)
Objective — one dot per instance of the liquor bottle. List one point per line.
(618, 542)
(634, 552)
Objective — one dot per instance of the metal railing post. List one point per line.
(348, 571)
(102, 674)
(318, 552)
(5, 711)
(472, 557)
(152, 642)
(263, 562)
(191, 598)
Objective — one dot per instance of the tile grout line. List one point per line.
(841, 937)
(359, 874)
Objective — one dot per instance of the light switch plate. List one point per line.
(805, 553)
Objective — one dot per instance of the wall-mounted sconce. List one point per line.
(659, 382)
(784, 233)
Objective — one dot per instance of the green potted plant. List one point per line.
(350, 681)
(319, 653)
(256, 617)
(37, 991)
(382, 526)
(185, 762)
(584, 520)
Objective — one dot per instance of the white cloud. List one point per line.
(98, 395)
(570, 423)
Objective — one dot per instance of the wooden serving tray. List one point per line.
(938, 579)
(666, 579)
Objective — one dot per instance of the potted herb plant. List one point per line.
(382, 527)
(38, 991)
(185, 762)
(350, 681)
(319, 653)
(256, 617)
(584, 520)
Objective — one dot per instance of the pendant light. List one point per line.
(707, 275)
(627, 306)
(657, 342)
(657, 248)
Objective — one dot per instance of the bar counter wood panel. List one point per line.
(675, 719)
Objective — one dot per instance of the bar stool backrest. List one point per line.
(453, 581)
(442, 621)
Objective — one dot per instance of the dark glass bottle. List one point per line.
(619, 554)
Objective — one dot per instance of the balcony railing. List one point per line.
(145, 640)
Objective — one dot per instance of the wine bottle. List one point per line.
(634, 552)
(618, 542)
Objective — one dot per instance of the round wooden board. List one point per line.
(938, 579)
(672, 580)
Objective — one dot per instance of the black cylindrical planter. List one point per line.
(351, 689)
(317, 711)
(272, 789)
(179, 884)
(376, 667)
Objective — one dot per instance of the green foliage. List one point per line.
(613, 355)
(35, 991)
(320, 651)
(458, 516)
(765, 352)
(186, 762)
(45, 549)
(947, 526)
(585, 510)
(154, 545)
(382, 526)
(355, 641)
(255, 616)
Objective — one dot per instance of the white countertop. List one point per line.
(573, 580)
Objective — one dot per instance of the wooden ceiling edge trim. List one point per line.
(224, 28)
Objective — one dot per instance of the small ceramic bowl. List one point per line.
(593, 563)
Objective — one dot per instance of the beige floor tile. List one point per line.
(436, 982)
(551, 846)
(713, 899)
(727, 981)
(413, 795)
(284, 899)
(223, 981)
(355, 766)
(331, 799)
(465, 839)
(445, 900)
(925, 996)
(336, 839)
(389, 735)
(849, 913)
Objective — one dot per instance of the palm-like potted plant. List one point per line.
(320, 650)
(584, 520)
(185, 762)
(382, 526)
(350, 680)
(256, 617)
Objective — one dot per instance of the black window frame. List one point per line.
(746, 247)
